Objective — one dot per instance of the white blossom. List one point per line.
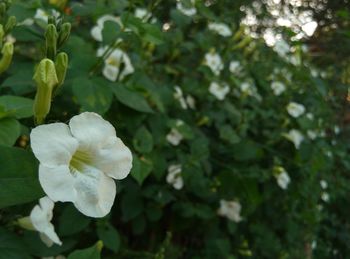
(96, 31)
(295, 109)
(278, 88)
(43, 15)
(295, 136)
(174, 137)
(230, 210)
(41, 217)
(323, 184)
(219, 90)
(174, 176)
(220, 28)
(310, 116)
(312, 134)
(282, 48)
(142, 13)
(191, 101)
(336, 130)
(282, 177)
(235, 67)
(116, 65)
(188, 11)
(214, 62)
(184, 102)
(325, 196)
(79, 162)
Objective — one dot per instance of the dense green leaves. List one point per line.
(88, 253)
(18, 177)
(9, 131)
(110, 237)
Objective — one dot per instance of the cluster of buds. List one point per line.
(7, 23)
(50, 73)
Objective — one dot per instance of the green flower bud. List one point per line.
(46, 79)
(2, 10)
(61, 65)
(51, 41)
(10, 24)
(64, 33)
(2, 34)
(7, 53)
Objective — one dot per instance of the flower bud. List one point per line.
(51, 41)
(25, 223)
(46, 79)
(64, 33)
(10, 24)
(2, 10)
(7, 53)
(2, 34)
(61, 65)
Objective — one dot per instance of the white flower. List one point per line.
(278, 88)
(230, 210)
(78, 162)
(235, 67)
(174, 177)
(218, 90)
(282, 48)
(178, 95)
(313, 244)
(191, 101)
(325, 197)
(336, 130)
(174, 137)
(96, 31)
(220, 28)
(310, 116)
(323, 184)
(295, 136)
(282, 177)
(189, 11)
(41, 14)
(142, 13)
(41, 217)
(295, 109)
(214, 62)
(116, 65)
(312, 134)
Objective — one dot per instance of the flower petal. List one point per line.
(115, 159)
(57, 182)
(91, 130)
(53, 144)
(95, 192)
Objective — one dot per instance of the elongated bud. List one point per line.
(46, 79)
(2, 10)
(64, 33)
(243, 43)
(61, 65)
(99, 245)
(51, 41)
(25, 223)
(10, 24)
(7, 53)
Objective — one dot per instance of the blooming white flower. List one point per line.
(116, 65)
(278, 88)
(230, 210)
(188, 11)
(178, 95)
(325, 196)
(248, 88)
(174, 176)
(191, 101)
(295, 136)
(220, 28)
(41, 217)
(235, 67)
(214, 62)
(336, 130)
(282, 177)
(43, 15)
(323, 184)
(310, 116)
(78, 162)
(96, 31)
(282, 48)
(219, 90)
(142, 13)
(295, 109)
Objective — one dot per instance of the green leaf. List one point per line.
(72, 221)
(11, 246)
(153, 34)
(18, 177)
(110, 32)
(93, 95)
(9, 131)
(141, 169)
(93, 252)
(17, 106)
(131, 205)
(143, 140)
(131, 99)
(110, 237)
(227, 133)
(21, 83)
